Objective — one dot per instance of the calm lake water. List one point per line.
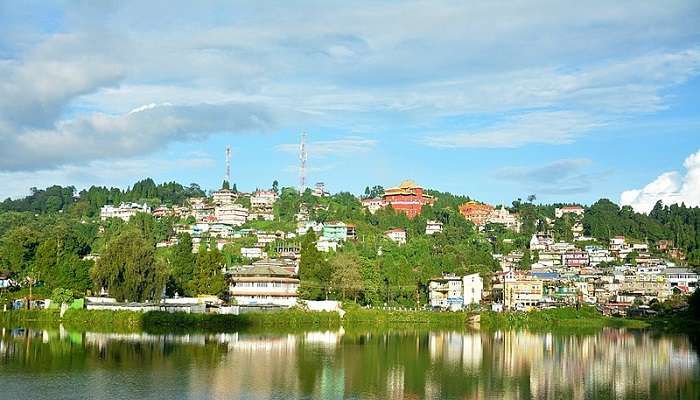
(402, 364)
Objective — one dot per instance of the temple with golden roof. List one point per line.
(408, 198)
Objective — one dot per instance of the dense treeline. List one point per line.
(88, 202)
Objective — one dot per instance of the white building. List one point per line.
(541, 242)
(372, 205)
(320, 190)
(432, 227)
(252, 252)
(473, 288)
(264, 286)
(223, 197)
(325, 246)
(261, 205)
(124, 211)
(303, 227)
(682, 279)
(576, 210)
(396, 235)
(502, 216)
(452, 292)
(231, 214)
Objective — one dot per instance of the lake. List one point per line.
(359, 363)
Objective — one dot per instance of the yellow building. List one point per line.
(522, 292)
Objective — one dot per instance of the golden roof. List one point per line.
(408, 184)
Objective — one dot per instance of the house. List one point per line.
(541, 241)
(335, 231)
(124, 212)
(224, 197)
(575, 210)
(372, 205)
(617, 244)
(326, 246)
(432, 227)
(446, 292)
(407, 198)
(319, 190)
(522, 292)
(681, 279)
(263, 286)
(575, 259)
(261, 204)
(396, 235)
(351, 232)
(303, 227)
(502, 216)
(231, 214)
(5, 281)
(477, 213)
(252, 252)
(473, 288)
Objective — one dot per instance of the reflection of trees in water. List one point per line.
(377, 364)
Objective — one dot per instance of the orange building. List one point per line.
(407, 198)
(475, 212)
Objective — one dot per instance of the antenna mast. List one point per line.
(302, 163)
(228, 164)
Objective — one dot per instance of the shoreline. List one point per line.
(158, 321)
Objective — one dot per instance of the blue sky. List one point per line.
(568, 101)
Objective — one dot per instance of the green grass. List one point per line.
(566, 318)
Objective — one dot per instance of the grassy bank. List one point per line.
(562, 318)
(162, 321)
(568, 318)
(374, 316)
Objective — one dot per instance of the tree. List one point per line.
(346, 277)
(313, 270)
(225, 185)
(60, 296)
(531, 198)
(208, 277)
(275, 186)
(128, 269)
(182, 264)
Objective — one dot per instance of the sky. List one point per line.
(569, 101)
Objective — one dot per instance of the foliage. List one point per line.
(60, 296)
(128, 269)
(208, 276)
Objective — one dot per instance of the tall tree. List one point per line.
(128, 269)
(182, 263)
(208, 277)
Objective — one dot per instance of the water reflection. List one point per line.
(56, 363)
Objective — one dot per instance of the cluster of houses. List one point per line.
(615, 276)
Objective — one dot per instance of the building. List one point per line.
(252, 252)
(617, 244)
(351, 232)
(561, 211)
(475, 212)
(446, 292)
(408, 198)
(372, 205)
(326, 246)
(124, 211)
(263, 285)
(261, 204)
(223, 197)
(433, 227)
(319, 190)
(231, 214)
(473, 288)
(522, 292)
(335, 231)
(541, 241)
(396, 235)
(502, 216)
(304, 227)
(575, 259)
(681, 279)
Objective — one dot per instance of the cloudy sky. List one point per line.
(496, 100)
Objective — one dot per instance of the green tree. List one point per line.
(182, 265)
(128, 269)
(314, 272)
(208, 275)
(346, 277)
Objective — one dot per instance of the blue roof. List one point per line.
(545, 275)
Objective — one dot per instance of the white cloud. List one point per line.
(670, 187)
(566, 176)
(117, 173)
(555, 127)
(139, 132)
(346, 146)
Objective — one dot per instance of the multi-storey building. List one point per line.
(261, 204)
(432, 227)
(502, 216)
(681, 279)
(372, 205)
(263, 285)
(575, 259)
(522, 291)
(561, 211)
(124, 211)
(408, 198)
(335, 231)
(475, 212)
(396, 235)
(231, 214)
(223, 197)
